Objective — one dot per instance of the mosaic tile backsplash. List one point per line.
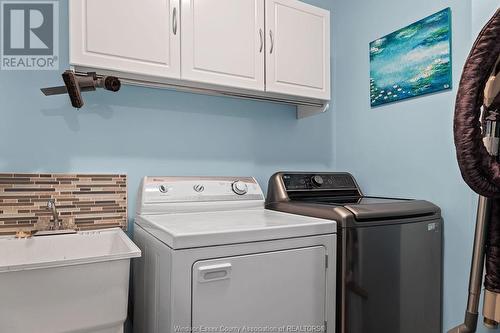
(86, 200)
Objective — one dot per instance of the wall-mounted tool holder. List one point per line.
(76, 83)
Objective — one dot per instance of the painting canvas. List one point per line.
(412, 61)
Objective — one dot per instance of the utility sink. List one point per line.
(65, 283)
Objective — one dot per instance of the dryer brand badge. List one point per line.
(29, 35)
(199, 188)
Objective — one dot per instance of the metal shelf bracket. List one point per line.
(304, 111)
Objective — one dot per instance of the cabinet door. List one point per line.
(223, 42)
(298, 49)
(138, 37)
(272, 290)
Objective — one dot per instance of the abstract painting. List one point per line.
(412, 61)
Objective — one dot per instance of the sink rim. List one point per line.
(132, 251)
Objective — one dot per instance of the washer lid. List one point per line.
(377, 208)
(392, 209)
(180, 231)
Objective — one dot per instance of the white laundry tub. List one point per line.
(65, 283)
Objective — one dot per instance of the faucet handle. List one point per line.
(50, 203)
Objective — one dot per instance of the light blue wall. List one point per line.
(405, 149)
(152, 132)
(482, 11)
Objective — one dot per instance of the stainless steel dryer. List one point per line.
(389, 264)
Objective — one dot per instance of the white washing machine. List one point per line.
(215, 260)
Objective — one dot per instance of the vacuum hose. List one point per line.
(476, 132)
(479, 169)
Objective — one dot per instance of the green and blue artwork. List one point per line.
(412, 61)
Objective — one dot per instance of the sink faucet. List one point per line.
(51, 204)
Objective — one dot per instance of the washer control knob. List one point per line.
(240, 187)
(163, 188)
(317, 181)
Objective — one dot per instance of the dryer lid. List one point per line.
(191, 230)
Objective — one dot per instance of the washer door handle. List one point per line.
(214, 272)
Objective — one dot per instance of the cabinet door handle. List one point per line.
(174, 21)
(271, 36)
(261, 34)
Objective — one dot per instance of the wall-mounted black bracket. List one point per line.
(76, 83)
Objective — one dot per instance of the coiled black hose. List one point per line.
(480, 170)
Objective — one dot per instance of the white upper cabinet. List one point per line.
(298, 49)
(273, 50)
(131, 36)
(223, 42)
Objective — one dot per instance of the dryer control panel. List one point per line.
(161, 194)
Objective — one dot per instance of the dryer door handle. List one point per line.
(216, 272)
